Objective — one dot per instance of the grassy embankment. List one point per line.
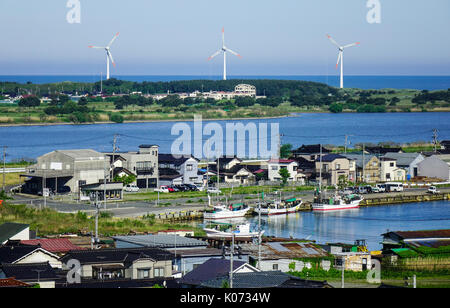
(102, 112)
(50, 222)
(202, 197)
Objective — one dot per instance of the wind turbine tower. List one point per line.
(224, 50)
(109, 56)
(341, 57)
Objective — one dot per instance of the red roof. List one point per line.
(11, 282)
(57, 245)
(282, 161)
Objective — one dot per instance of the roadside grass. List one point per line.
(50, 222)
(11, 179)
(242, 190)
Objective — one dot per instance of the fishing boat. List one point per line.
(278, 207)
(224, 231)
(337, 202)
(227, 211)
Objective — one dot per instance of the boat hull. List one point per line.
(226, 214)
(335, 207)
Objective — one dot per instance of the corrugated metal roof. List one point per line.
(160, 240)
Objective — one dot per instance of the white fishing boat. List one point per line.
(224, 231)
(337, 203)
(280, 207)
(226, 211)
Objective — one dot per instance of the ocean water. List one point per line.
(361, 82)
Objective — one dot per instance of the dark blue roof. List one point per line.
(211, 269)
(29, 271)
(10, 254)
(271, 279)
(330, 157)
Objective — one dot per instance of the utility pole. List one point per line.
(364, 163)
(343, 270)
(347, 143)
(259, 230)
(4, 167)
(231, 259)
(114, 155)
(435, 141)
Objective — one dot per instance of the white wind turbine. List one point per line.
(108, 54)
(341, 56)
(224, 49)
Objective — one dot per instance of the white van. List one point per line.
(394, 187)
(131, 188)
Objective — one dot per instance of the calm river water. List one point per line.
(33, 141)
(364, 223)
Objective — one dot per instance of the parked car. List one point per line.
(374, 189)
(433, 190)
(394, 187)
(131, 188)
(213, 190)
(381, 187)
(163, 189)
(175, 189)
(192, 187)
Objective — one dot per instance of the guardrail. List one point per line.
(12, 170)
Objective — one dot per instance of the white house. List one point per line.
(390, 172)
(407, 161)
(275, 166)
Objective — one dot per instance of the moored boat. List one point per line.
(337, 202)
(280, 207)
(226, 231)
(227, 211)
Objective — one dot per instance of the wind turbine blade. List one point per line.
(223, 37)
(351, 45)
(96, 47)
(234, 53)
(113, 39)
(111, 58)
(339, 59)
(333, 41)
(214, 55)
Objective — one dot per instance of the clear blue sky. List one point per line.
(175, 37)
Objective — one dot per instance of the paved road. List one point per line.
(137, 209)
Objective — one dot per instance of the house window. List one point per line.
(338, 167)
(392, 164)
(189, 167)
(143, 273)
(158, 272)
(274, 168)
(275, 267)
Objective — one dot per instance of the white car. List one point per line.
(163, 189)
(381, 188)
(212, 190)
(433, 190)
(131, 188)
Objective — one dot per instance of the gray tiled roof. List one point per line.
(161, 241)
(9, 229)
(403, 159)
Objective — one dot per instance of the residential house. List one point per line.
(265, 280)
(405, 239)
(186, 167)
(276, 165)
(334, 166)
(31, 273)
(212, 269)
(13, 283)
(434, 167)
(113, 190)
(367, 167)
(286, 256)
(230, 170)
(353, 261)
(15, 253)
(187, 260)
(407, 161)
(65, 171)
(310, 152)
(380, 151)
(116, 264)
(389, 172)
(54, 245)
(14, 231)
(158, 241)
(143, 164)
(306, 167)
